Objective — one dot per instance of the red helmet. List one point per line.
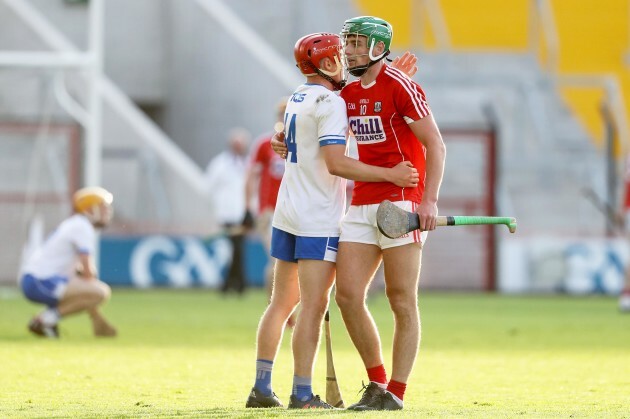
(311, 49)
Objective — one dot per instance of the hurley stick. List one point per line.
(333, 395)
(395, 222)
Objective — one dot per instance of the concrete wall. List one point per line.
(213, 84)
(172, 58)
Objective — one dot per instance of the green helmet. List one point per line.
(374, 28)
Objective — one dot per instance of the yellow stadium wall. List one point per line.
(593, 38)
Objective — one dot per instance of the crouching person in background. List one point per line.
(61, 273)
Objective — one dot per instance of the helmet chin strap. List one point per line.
(360, 70)
(329, 75)
(336, 85)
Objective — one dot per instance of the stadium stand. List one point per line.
(515, 71)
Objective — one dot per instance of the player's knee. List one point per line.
(283, 305)
(340, 299)
(401, 301)
(102, 292)
(346, 299)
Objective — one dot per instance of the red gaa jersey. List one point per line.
(272, 169)
(378, 117)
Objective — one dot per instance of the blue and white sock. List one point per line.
(302, 388)
(263, 376)
(50, 316)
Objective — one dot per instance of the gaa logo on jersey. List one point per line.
(378, 106)
(367, 129)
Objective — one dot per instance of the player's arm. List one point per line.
(427, 132)
(86, 268)
(403, 174)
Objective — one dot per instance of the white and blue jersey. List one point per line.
(311, 201)
(46, 272)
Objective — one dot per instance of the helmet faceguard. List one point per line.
(311, 49)
(95, 203)
(375, 30)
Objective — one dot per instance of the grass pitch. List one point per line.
(191, 354)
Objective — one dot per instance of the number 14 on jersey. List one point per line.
(289, 123)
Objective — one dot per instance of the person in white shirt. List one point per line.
(306, 223)
(62, 274)
(225, 178)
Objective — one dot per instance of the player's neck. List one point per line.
(372, 73)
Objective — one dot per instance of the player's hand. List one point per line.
(427, 212)
(404, 175)
(406, 63)
(278, 145)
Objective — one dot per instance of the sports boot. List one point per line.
(370, 393)
(314, 403)
(384, 401)
(38, 327)
(257, 399)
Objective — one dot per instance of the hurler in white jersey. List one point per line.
(308, 213)
(311, 201)
(61, 273)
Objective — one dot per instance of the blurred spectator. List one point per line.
(262, 183)
(61, 273)
(225, 177)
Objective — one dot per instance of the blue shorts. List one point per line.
(46, 291)
(289, 247)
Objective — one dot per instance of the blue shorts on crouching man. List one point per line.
(45, 291)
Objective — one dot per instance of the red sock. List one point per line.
(397, 388)
(377, 374)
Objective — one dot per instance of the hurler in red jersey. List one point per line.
(379, 117)
(391, 120)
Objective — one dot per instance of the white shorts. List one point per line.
(359, 226)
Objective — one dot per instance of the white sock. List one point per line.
(50, 316)
(400, 402)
